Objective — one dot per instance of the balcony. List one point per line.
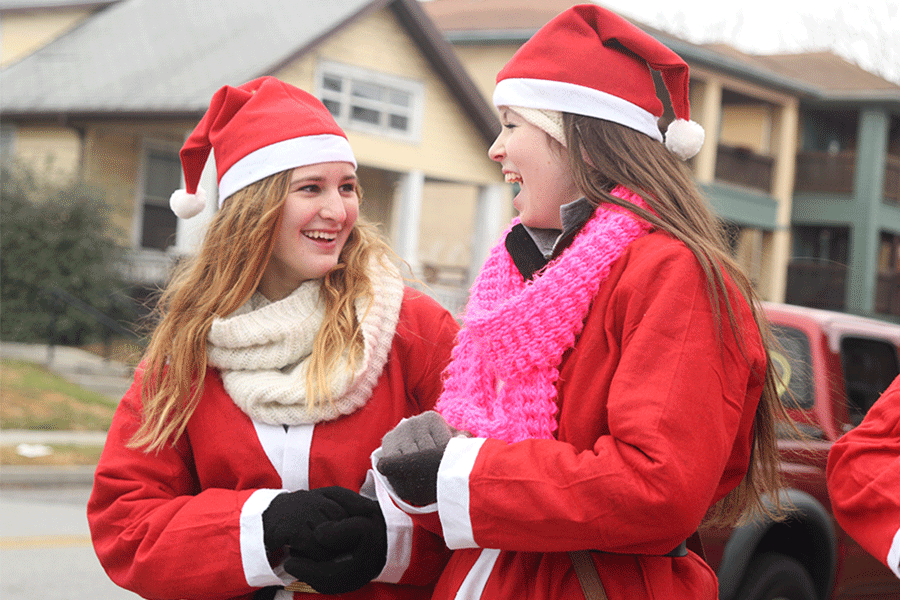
(825, 172)
(816, 284)
(743, 167)
(833, 173)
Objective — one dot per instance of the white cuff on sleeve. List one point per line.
(399, 530)
(383, 482)
(253, 552)
(453, 491)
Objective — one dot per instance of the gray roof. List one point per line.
(166, 57)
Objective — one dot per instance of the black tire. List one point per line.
(774, 576)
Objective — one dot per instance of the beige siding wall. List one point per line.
(53, 152)
(483, 62)
(113, 162)
(21, 33)
(450, 147)
(378, 189)
(749, 126)
(448, 214)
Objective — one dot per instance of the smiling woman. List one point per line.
(321, 208)
(611, 375)
(285, 349)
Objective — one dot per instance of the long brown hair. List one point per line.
(219, 279)
(604, 154)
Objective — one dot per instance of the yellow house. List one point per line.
(113, 98)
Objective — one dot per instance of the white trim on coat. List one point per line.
(472, 586)
(453, 491)
(399, 531)
(893, 557)
(257, 570)
(288, 451)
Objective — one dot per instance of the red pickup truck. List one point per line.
(836, 365)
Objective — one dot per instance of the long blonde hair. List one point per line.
(603, 154)
(219, 279)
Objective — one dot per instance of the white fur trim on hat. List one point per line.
(684, 138)
(550, 121)
(186, 205)
(575, 99)
(281, 156)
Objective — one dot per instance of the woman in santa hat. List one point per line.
(236, 465)
(611, 389)
(864, 480)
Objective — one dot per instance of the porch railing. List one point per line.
(744, 167)
(825, 172)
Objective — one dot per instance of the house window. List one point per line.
(162, 176)
(371, 102)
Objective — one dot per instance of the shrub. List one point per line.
(55, 237)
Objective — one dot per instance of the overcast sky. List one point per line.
(866, 32)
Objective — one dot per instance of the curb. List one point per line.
(10, 437)
(17, 477)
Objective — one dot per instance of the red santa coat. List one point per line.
(185, 522)
(655, 423)
(864, 480)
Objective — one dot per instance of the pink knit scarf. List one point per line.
(501, 380)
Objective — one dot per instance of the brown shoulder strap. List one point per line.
(587, 575)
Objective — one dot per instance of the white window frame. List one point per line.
(348, 74)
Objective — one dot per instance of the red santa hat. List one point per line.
(590, 61)
(256, 130)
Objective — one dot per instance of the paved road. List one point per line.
(45, 549)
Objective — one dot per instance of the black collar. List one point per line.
(527, 256)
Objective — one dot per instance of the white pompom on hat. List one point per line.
(590, 61)
(255, 130)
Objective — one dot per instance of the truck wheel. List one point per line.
(774, 576)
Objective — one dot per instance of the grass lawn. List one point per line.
(32, 397)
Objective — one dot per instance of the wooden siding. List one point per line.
(51, 151)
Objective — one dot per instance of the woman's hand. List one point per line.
(291, 518)
(411, 454)
(358, 545)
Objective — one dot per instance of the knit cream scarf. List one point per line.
(263, 352)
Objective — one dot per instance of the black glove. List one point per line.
(360, 540)
(426, 431)
(413, 476)
(291, 518)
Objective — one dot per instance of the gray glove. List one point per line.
(412, 453)
(427, 431)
